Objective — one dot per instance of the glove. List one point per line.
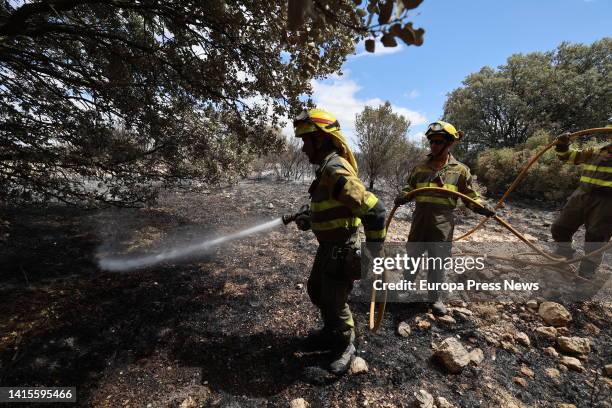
(303, 222)
(562, 142)
(401, 199)
(302, 218)
(486, 211)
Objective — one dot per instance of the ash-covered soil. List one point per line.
(223, 329)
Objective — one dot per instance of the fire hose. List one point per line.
(376, 318)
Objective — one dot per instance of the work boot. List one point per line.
(438, 308)
(319, 340)
(343, 355)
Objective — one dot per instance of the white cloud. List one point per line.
(339, 97)
(379, 49)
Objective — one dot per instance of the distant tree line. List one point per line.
(510, 113)
(566, 89)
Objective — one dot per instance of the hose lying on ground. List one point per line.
(376, 319)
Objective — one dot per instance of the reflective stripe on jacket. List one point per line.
(453, 176)
(340, 202)
(596, 167)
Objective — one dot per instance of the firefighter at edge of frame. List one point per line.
(433, 220)
(590, 204)
(339, 202)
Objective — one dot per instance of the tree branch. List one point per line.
(16, 24)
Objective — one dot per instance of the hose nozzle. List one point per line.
(287, 218)
(304, 210)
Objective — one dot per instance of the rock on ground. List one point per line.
(299, 403)
(424, 324)
(577, 345)
(358, 365)
(447, 319)
(551, 352)
(508, 346)
(423, 400)
(572, 363)
(554, 314)
(476, 356)
(548, 332)
(552, 372)
(403, 329)
(443, 403)
(523, 339)
(526, 371)
(453, 355)
(463, 310)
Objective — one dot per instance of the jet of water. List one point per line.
(124, 264)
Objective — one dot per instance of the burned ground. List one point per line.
(223, 330)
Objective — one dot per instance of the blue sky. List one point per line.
(460, 38)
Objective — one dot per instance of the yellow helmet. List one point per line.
(445, 129)
(311, 120)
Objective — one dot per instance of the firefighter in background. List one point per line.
(339, 203)
(590, 204)
(433, 221)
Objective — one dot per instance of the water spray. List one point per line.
(127, 263)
